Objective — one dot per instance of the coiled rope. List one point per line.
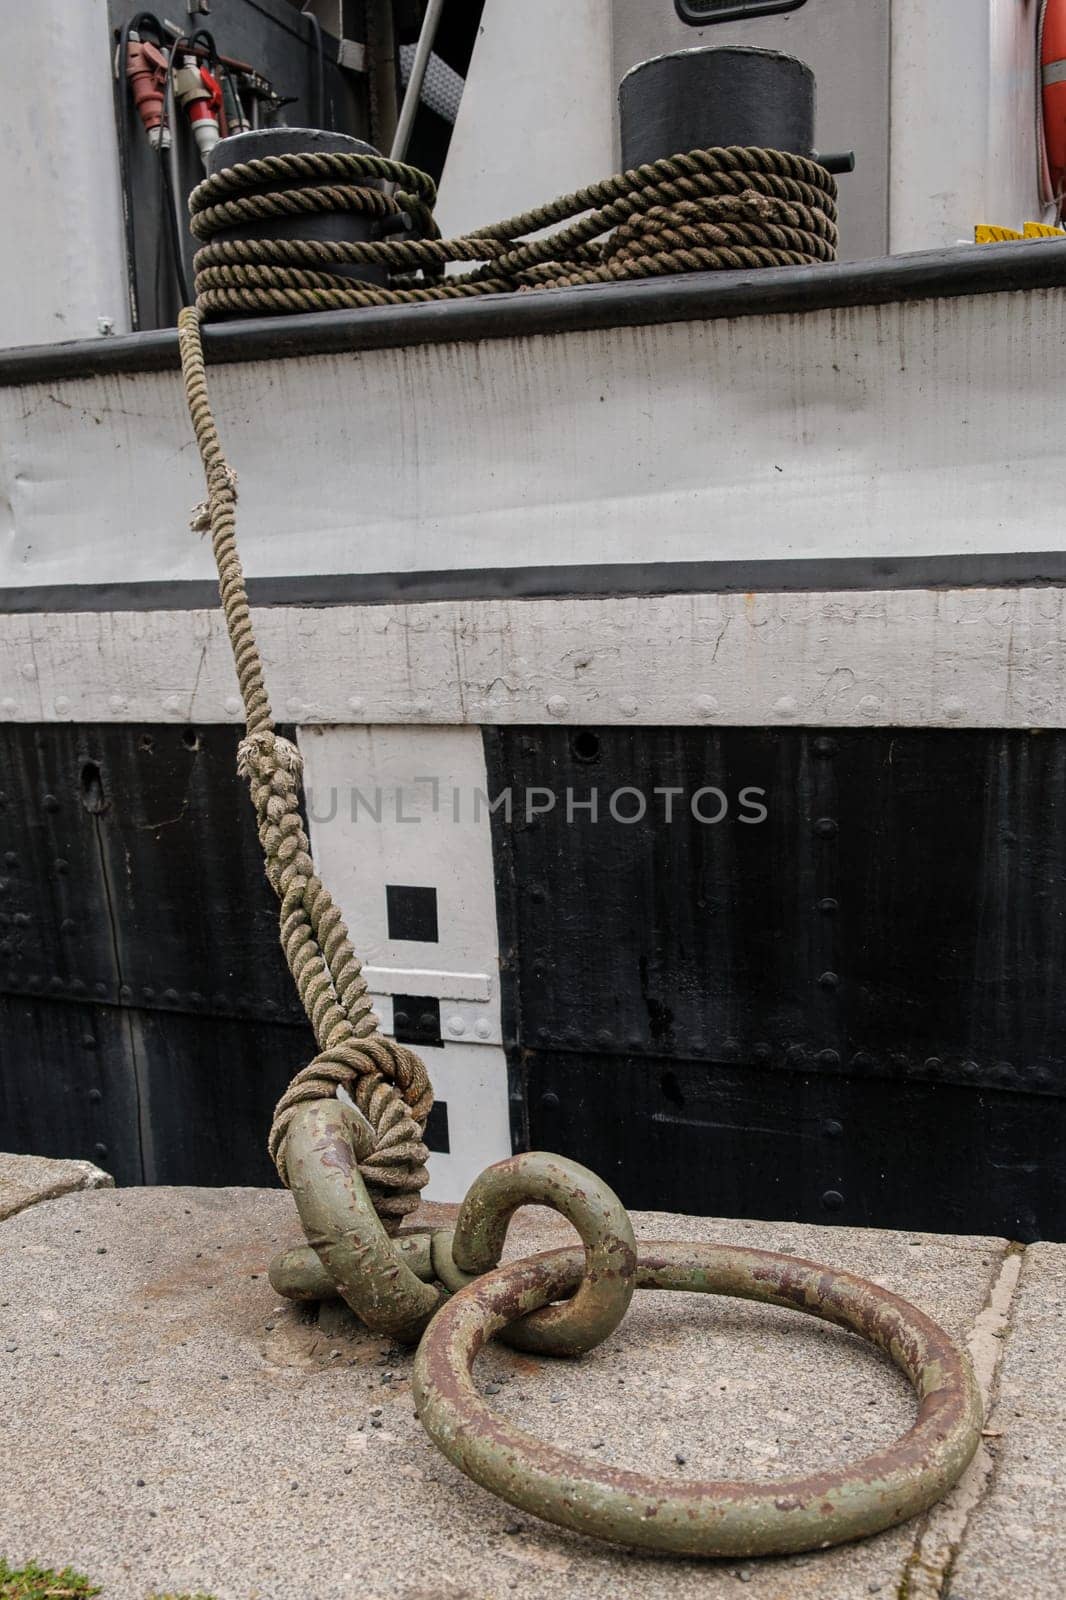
(704, 211)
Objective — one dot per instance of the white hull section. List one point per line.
(973, 657)
(919, 428)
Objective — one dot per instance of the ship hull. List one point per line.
(679, 678)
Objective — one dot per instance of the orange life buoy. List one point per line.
(1053, 88)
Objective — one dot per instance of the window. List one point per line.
(700, 13)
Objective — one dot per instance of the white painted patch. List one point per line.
(379, 814)
(379, 808)
(474, 986)
(472, 1080)
(937, 658)
(925, 428)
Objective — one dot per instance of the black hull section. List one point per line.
(695, 1136)
(147, 1018)
(850, 1011)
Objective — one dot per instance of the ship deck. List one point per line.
(168, 1425)
(961, 271)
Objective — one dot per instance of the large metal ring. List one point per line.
(706, 1518)
(325, 1145)
(609, 1278)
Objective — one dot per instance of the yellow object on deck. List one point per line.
(990, 233)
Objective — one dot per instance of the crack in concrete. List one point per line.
(928, 1570)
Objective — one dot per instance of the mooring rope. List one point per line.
(387, 1081)
(707, 210)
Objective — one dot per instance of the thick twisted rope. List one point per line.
(388, 1082)
(703, 211)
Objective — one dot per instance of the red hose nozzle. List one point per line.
(146, 73)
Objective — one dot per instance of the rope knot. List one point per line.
(200, 521)
(261, 754)
(390, 1087)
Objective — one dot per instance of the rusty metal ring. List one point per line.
(705, 1518)
(607, 1283)
(325, 1144)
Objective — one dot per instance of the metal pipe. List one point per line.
(413, 92)
(381, 58)
(174, 191)
(318, 114)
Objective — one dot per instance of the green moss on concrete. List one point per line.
(32, 1582)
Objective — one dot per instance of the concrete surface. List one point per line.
(24, 1180)
(170, 1425)
(1016, 1540)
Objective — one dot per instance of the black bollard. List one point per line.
(698, 99)
(346, 226)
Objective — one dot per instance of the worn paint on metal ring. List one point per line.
(343, 1228)
(601, 1298)
(298, 1273)
(708, 1518)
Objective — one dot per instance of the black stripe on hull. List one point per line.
(713, 1140)
(848, 1011)
(996, 569)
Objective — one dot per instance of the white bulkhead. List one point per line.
(62, 266)
(936, 97)
(938, 102)
(902, 430)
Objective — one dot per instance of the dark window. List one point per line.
(700, 13)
